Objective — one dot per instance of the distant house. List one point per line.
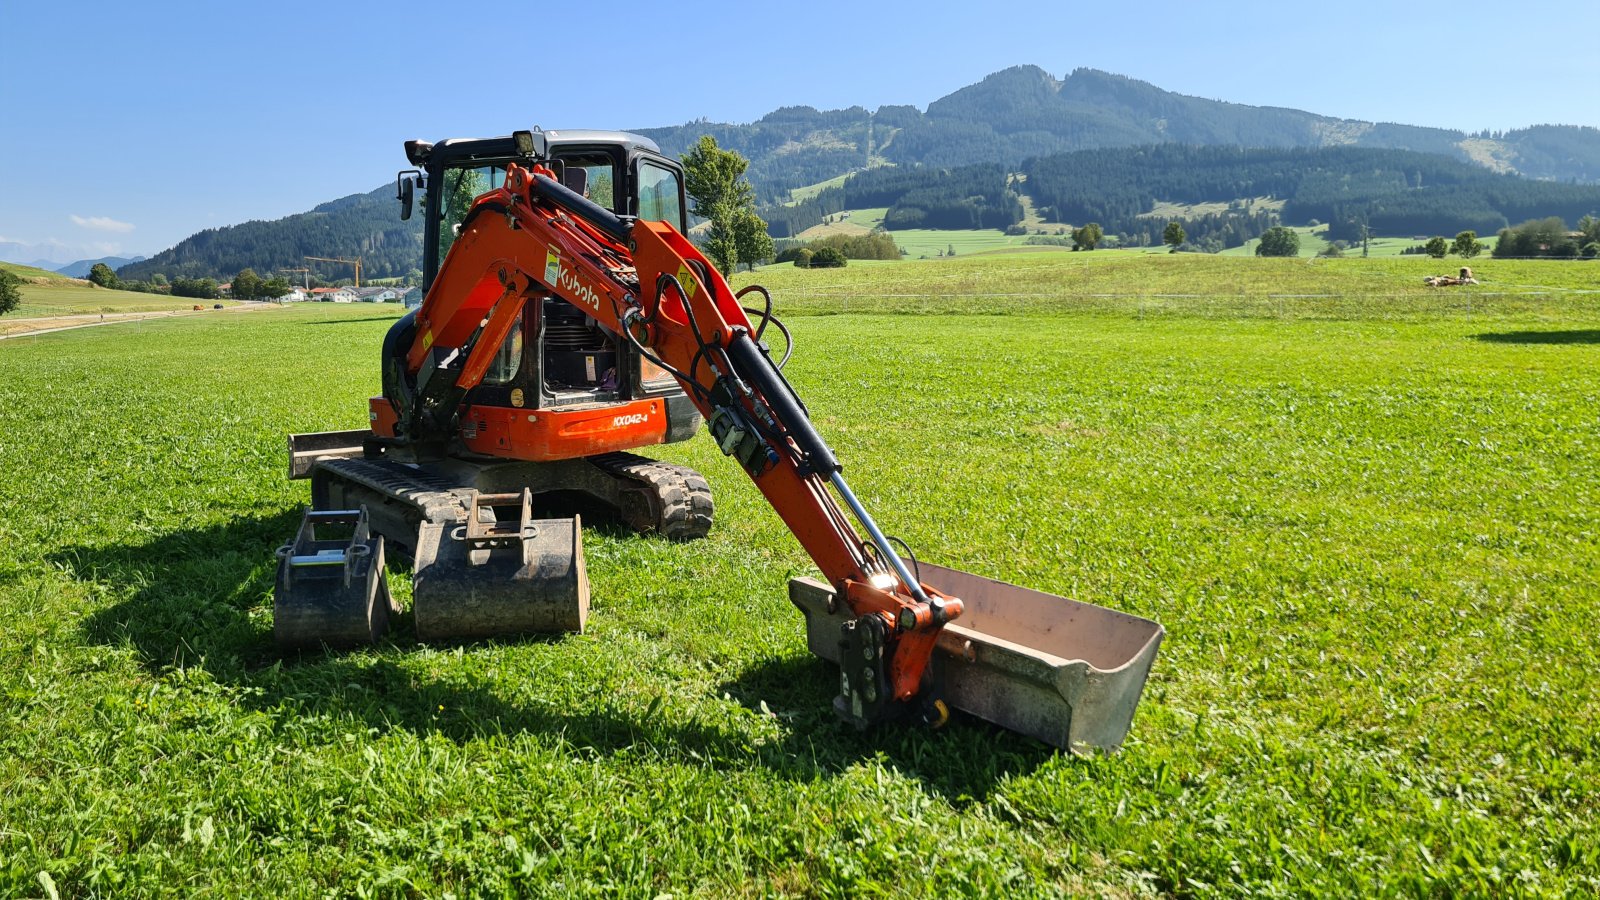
(375, 294)
(411, 297)
(225, 290)
(333, 295)
(295, 295)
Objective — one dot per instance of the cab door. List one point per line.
(658, 191)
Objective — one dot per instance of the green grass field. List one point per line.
(51, 294)
(1368, 521)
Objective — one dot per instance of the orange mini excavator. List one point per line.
(567, 321)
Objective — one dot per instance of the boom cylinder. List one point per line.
(756, 368)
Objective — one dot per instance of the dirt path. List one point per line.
(33, 327)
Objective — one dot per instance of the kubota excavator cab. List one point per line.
(555, 358)
(561, 403)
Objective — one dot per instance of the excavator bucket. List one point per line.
(489, 577)
(331, 589)
(1065, 672)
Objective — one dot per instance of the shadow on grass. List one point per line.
(1576, 336)
(353, 321)
(196, 589)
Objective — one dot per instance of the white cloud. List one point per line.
(101, 223)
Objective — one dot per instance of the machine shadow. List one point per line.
(354, 321)
(1575, 336)
(196, 589)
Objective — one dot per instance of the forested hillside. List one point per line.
(365, 225)
(1025, 112)
(1394, 192)
(967, 197)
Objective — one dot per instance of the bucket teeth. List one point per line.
(331, 590)
(1067, 673)
(491, 577)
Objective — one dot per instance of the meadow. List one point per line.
(50, 295)
(1366, 513)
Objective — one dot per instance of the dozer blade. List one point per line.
(1067, 673)
(331, 590)
(491, 578)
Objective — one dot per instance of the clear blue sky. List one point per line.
(125, 127)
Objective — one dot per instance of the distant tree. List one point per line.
(722, 242)
(1279, 241)
(1537, 237)
(100, 274)
(247, 285)
(1505, 244)
(198, 288)
(10, 292)
(714, 181)
(1088, 237)
(1437, 247)
(1173, 236)
(1467, 245)
(827, 258)
(273, 288)
(1589, 227)
(802, 258)
(951, 251)
(412, 278)
(752, 243)
(159, 280)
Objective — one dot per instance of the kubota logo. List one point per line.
(635, 419)
(569, 285)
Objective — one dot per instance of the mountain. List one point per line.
(1013, 116)
(24, 255)
(365, 225)
(80, 269)
(1024, 112)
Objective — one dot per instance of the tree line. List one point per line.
(1352, 189)
(1550, 237)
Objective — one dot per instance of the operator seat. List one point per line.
(576, 179)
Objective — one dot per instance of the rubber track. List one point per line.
(421, 490)
(680, 497)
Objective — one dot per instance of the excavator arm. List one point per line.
(646, 282)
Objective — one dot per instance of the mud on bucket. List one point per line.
(487, 578)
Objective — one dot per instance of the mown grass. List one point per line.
(1371, 538)
(44, 300)
(53, 294)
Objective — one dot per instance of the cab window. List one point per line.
(507, 361)
(461, 187)
(659, 195)
(591, 176)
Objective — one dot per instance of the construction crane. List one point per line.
(355, 262)
(305, 276)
